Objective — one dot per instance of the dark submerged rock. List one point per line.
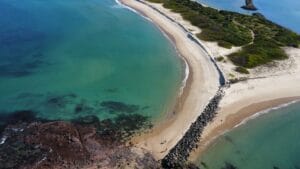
(60, 101)
(82, 108)
(91, 119)
(204, 164)
(229, 166)
(192, 166)
(123, 126)
(17, 117)
(113, 106)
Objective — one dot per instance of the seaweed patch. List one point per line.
(114, 106)
(120, 128)
(229, 166)
(111, 90)
(21, 116)
(60, 101)
(83, 107)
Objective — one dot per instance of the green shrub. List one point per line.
(220, 58)
(241, 70)
(231, 75)
(225, 44)
(233, 29)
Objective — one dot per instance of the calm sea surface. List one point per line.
(70, 58)
(271, 141)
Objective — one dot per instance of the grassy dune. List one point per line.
(261, 39)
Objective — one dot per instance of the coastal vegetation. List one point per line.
(220, 58)
(261, 39)
(241, 70)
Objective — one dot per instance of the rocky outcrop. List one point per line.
(30, 143)
(249, 5)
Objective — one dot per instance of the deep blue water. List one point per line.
(285, 13)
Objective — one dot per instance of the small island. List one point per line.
(249, 6)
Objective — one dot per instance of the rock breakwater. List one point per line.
(177, 157)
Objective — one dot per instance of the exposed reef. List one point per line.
(69, 105)
(229, 166)
(249, 5)
(29, 142)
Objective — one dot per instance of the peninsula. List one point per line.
(245, 48)
(235, 65)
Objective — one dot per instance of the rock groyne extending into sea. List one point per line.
(177, 157)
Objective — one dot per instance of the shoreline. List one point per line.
(195, 94)
(270, 90)
(187, 72)
(184, 63)
(240, 118)
(244, 100)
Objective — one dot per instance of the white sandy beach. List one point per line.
(268, 86)
(201, 86)
(278, 86)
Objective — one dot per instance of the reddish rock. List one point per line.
(58, 145)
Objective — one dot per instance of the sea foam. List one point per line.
(265, 112)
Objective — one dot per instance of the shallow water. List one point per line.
(269, 141)
(285, 13)
(72, 58)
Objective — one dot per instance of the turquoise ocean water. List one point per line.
(285, 13)
(271, 141)
(71, 58)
